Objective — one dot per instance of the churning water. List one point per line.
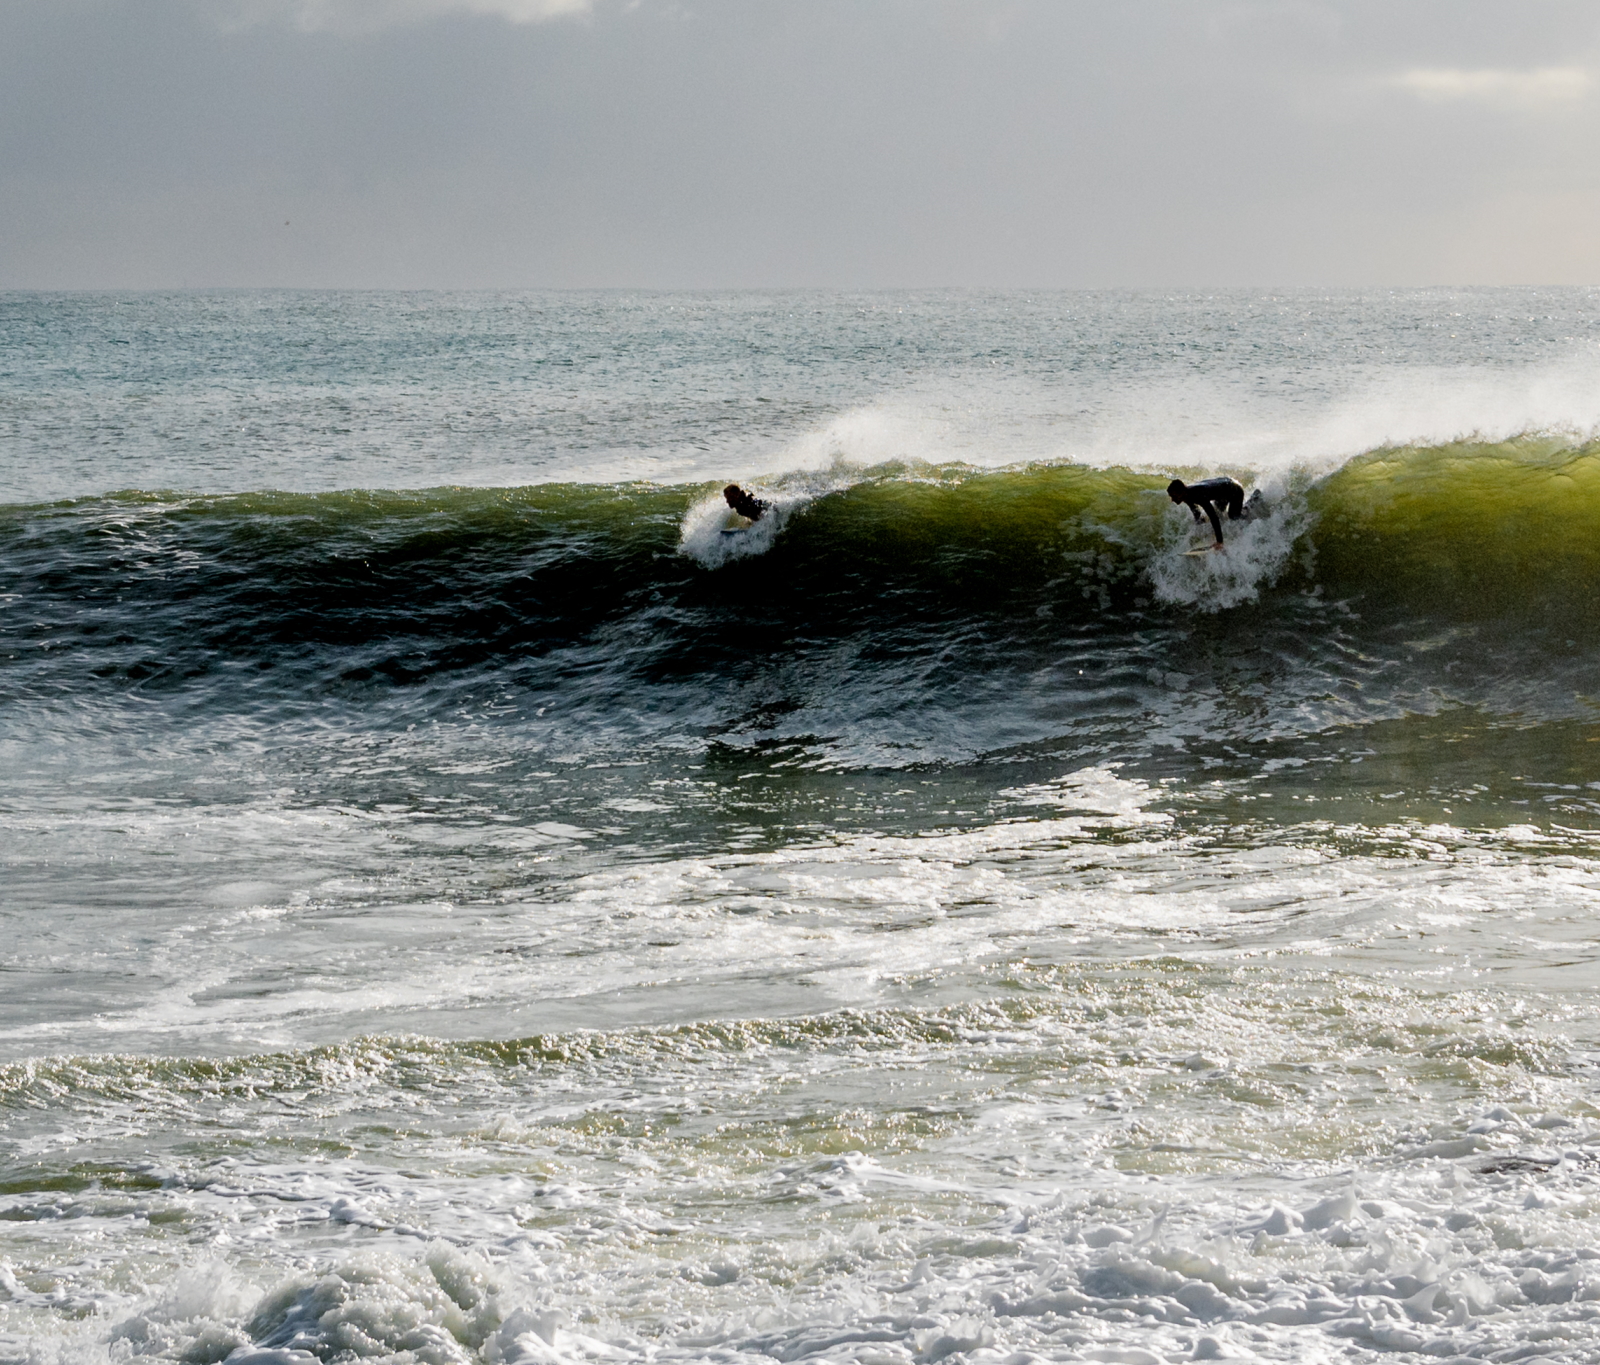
(461, 908)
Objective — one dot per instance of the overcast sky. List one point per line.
(848, 143)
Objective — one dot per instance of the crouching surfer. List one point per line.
(752, 509)
(1212, 495)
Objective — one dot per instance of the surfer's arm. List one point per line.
(1216, 523)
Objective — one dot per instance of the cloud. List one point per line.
(1548, 87)
(366, 16)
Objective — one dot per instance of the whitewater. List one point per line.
(461, 908)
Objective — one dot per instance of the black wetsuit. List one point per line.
(747, 506)
(1209, 494)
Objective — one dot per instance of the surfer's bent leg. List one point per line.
(1235, 503)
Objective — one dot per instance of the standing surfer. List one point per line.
(1210, 494)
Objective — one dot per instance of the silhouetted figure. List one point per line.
(1210, 494)
(743, 503)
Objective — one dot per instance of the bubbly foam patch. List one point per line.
(1074, 1212)
(1254, 556)
(712, 535)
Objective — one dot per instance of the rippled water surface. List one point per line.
(462, 908)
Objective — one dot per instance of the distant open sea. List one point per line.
(457, 907)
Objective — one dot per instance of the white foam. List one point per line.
(1092, 789)
(711, 541)
(702, 536)
(1256, 552)
(947, 1245)
(684, 936)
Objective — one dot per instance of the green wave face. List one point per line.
(1458, 532)
(901, 612)
(1465, 528)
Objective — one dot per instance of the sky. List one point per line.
(780, 143)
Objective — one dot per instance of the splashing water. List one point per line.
(433, 937)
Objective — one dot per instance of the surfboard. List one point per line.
(1205, 550)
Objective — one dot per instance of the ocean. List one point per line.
(461, 908)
